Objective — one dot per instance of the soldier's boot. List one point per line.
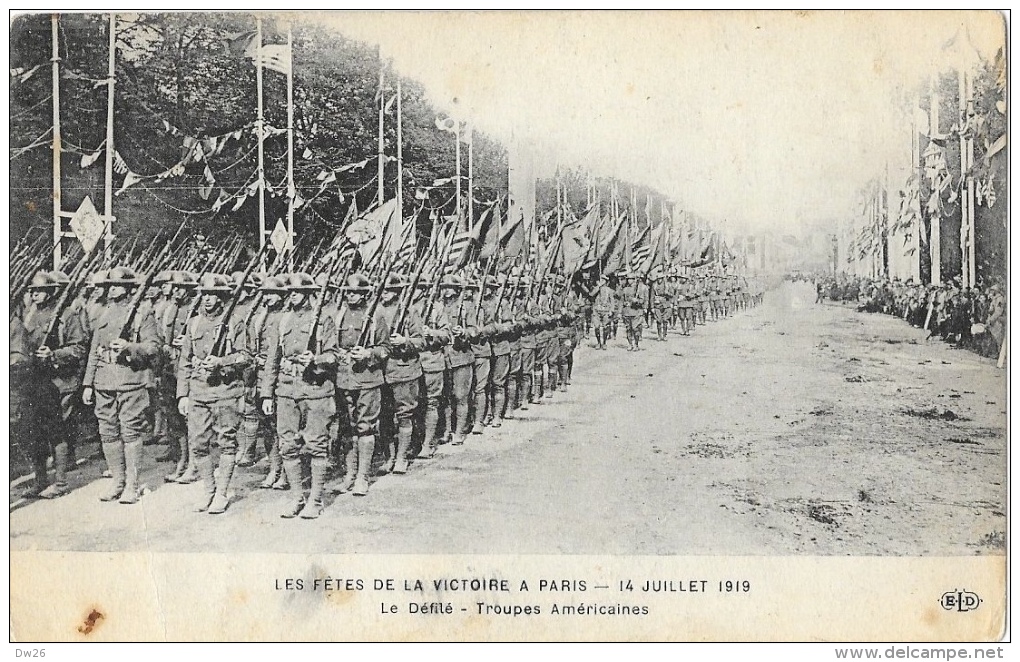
(281, 483)
(403, 447)
(208, 474)
(535, 396)
(498, 403)
(526, 386)
(132, 466)
(114, 453)
(564, 375)
(319, 467)
(181, 444)
(40, 480)
(61, 463)
(513, 395)
(247, 436)
(479, 426)
(366, 449)
(431, 441)
(391, 457)
(223, 475)
(350, 467)
(190, 474)
(294, 475)
(554, 376)
(598, 338)
(275, 469)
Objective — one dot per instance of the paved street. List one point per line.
(792, 428)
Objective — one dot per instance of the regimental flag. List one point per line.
(614, 248)
(457, 256)
(242, 44)
(369, 231)
(576, 240)
(640, 249)
(658, 256)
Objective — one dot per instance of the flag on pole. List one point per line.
(277, 57)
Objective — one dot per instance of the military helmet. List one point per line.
(395, 282)
(124, 276)
(97, 279)
(44, 280)
(274, 284)
(162, 277)
(183, 279)
(301, 282)
(214, 284)
(357, 283)
(253, 282)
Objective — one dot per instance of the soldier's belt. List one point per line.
(291, 368)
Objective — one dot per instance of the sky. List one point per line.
(758, 120)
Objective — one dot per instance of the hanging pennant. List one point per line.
(307, 154)
(240, 201)
(130, 179)
(209, 175)
(221, 199)
(119, 166)
(89, 159)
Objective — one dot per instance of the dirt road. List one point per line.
(792, 428)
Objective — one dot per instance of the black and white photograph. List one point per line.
(508, 326)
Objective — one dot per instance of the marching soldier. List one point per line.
(171, 329)
(526, 324)
(497, 330)
(210, 389)
(123, 348)
(259, 343)
(602, 310)
(402, 370)
(437, 333)
(635, 296)
(475, 320)
(247, 436)
(59, 358)
(359, 376)
(297, 387)
(513, 329)
(661, 306)
(460, 359)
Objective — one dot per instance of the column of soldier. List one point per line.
(970, 317)
(328, 370)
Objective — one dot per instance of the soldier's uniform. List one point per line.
(459, 360)
(119, 379)
(260, 337)
(304, 395)
(635, 298)
(514, 330)
(360, 382)
(661, 307)
(437, 333)
(63, 366)
(497, 329)
(475, 321)
(602, 310)
(402, 372)
(251, 421)
(213, 385)
(171, 325)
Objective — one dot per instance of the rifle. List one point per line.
(438, 276)
(314, 331)
(366, 326)
(481, 287)
(81, 271)
(136, 300)
(219, 346)
(405, 305)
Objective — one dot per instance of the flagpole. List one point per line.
(260, 130)
(382, 107)
(935, 235)
(57, 232)
(400, 156)
(456, 142)
(291, 191)
(108, 188)
(471, 177)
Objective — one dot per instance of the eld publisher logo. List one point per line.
(960, 601)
